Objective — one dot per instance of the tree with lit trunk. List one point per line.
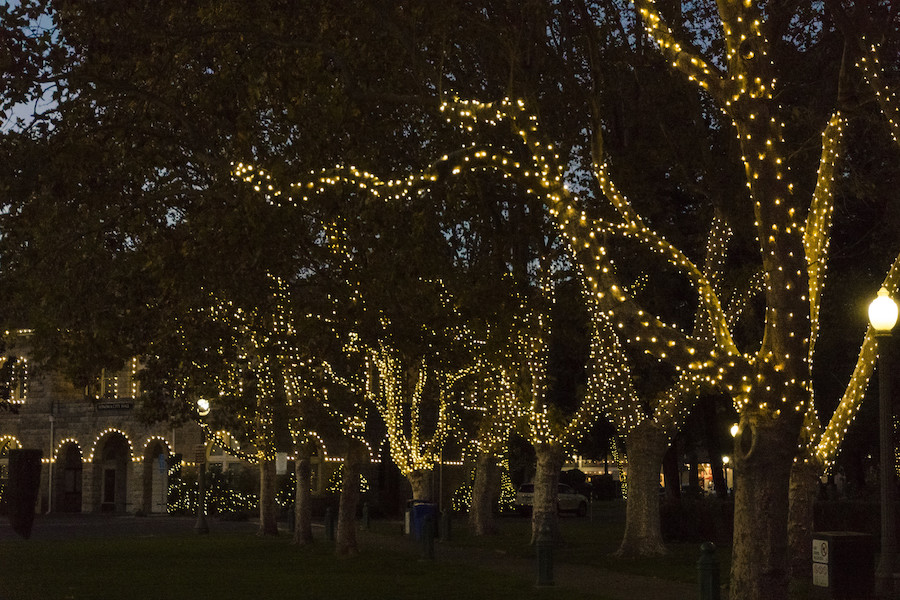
(648, 426)
(245, 361)
(522, 379)
(400, 393)
(356, 456)
(490, 446)
(821, 443)
(303, 495)
(771, 386)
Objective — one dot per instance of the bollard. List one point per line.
(445, 526)
(708, 572)
(329, 525)
(428, 537)
(544, 544)
(365, 516)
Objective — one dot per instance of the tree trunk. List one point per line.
(672, 474)
(803, 491)
(346, 527)
(484, 492)
(707, 405)
(545, 510)
(646, 445)
(268, 525)
(720, 486)
(693, 474)
(764, 453)
(420, 482)
(303, 497)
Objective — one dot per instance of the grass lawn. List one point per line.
(237, 566)
(593, 540)
(224, 566)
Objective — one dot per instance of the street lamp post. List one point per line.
(883, 317)
(202, 526)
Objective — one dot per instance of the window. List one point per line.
(13, 379)
(118, 385)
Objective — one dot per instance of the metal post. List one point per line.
(50, 468)
(329, 524)
(544, 544)
(428, 537)
(202, 526)
(708, 572)
(884, 574)
(446, 522)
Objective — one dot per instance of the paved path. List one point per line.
(72, 526)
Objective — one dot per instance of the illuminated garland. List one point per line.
(793, 251)
(106, 432)
(390, 381)
(743, 94)
(9, 441)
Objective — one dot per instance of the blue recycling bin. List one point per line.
(419, 512)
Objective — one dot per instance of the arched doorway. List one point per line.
(111, 461)
(155, 478)
(68, 479)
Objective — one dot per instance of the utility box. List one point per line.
(844, 564)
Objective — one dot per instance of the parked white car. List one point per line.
(568, 500)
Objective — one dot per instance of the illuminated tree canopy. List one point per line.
(718, 154)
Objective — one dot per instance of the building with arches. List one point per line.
(97, 455)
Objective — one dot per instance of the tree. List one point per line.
(136, 113)
(771, 387)
(822, 442)
(346, 533)
(242, 364)
(490, 445)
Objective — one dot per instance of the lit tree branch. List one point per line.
(706, 75)
(585, 234)
(817, 233)
(830, 442)
(884, 95)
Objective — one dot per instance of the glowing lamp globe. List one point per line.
(203, 407)
(883, 312)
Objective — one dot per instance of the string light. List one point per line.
(793, 251)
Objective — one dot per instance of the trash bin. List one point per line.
(844, 563)
(419, 511)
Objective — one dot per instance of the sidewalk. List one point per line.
(60, 526)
